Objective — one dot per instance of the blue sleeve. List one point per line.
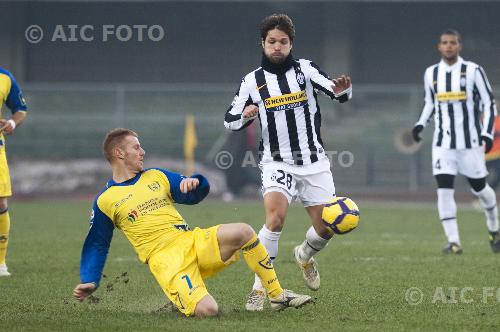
(192, 197)
(96, 246)
(15, 100)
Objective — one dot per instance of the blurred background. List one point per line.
(77, 89)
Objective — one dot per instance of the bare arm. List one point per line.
(7, 127)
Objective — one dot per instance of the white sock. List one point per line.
(488, 201)
(270, 240)
(311, 245)
(448, 214)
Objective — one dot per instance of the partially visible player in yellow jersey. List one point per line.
(140, 203)
(12, 97)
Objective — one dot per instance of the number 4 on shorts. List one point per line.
(438, 164)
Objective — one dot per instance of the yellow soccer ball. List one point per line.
(341, 215)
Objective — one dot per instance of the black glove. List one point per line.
(415, 132)
(488, 143)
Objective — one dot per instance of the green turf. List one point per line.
(364, 274)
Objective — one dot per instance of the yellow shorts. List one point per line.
(181, 267)
(5, 189)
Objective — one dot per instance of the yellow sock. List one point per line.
(4, 235)
(258, 260)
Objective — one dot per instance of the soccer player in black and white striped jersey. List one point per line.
(456, 91)
(282, 93)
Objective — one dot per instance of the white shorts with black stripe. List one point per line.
(468, 162)
(310, 184)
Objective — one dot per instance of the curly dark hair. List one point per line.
(277, 21)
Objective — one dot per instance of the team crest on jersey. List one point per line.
(155, 186)
(132, 216)
(463, 81)
(301, 78)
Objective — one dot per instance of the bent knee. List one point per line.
(3, 203)
(246, 232)
(206, 309)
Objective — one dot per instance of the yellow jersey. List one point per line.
(10, 95)
(143, 209)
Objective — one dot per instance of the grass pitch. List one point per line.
(388, 274)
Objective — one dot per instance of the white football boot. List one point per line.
(309, 270)
(3, 271)
(256, 299)
(289, 299)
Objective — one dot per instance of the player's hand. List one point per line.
(250, 111)
(189, 184)
(7, 126)
(488, 143)
(415, 132)
(341, 84)
(81, 291)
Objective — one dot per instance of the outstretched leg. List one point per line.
(317, 238)
(275, 205)
(233, 237)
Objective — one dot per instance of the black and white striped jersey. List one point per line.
(456, 95)
(289, 112)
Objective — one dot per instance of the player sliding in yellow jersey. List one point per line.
(140, 203)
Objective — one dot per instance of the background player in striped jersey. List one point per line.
(11, 95)
(282, 93)
(140, 203)
(453, 90)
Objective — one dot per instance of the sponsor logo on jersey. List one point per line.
(182, 227)
(193, 289)
(123, 200)
(132, 216)
(286, 102)
(21, 98)
(451, 96)
(92, 215)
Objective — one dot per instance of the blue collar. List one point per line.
(128, 182)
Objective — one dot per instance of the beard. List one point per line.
(277, 59)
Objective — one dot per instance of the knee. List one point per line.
(246, 233)
(3, 204)
(445, 181)
(207, 309)
(275, 220)
(477, 184)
